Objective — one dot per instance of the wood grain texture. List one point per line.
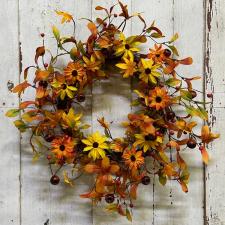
(214, 68)
(34, 200)
(9, 136)
(42, 202)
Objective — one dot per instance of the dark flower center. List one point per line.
(127, 46)
(148, 71)
(133, 158)
(63, 86)
(150, 137)
(95, 144)
(158, 99)
(157, 55)
(74, 73)
(62, 147)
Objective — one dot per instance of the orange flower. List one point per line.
(63, 148)
(133, 158)
(207, 136)
(157, 54)
(75, 71)
(158, 98)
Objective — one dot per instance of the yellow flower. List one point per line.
(207, 136)
(96, 144)
(127, 46)
(147, 141)
(71, 119)
(149, 71)
(66, 17)
(91, 64)
(63, 89)
(129, 66)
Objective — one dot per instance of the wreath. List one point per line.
(156, 134)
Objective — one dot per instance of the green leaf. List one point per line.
(12, 112)
(162, 179)
(200, 112)
(174, 50)
(186, 95)
(173, 82)
(56, 32)
(128, 215)
(20, 125)
(174, 38)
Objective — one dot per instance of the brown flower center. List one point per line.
(127, 46)
(157, 55)
(150, 137)
(63, 86)
(74, 73)
(133, 158)
(148, 71)
(158, 99)
(95, 144)
(62, 147)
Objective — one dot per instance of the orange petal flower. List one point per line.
(207, 136)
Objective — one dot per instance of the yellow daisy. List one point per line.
(147, 141)
(149, 71)
(96, 144)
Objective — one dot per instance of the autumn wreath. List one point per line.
(155, 134)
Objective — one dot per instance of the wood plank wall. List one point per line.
(26, 197)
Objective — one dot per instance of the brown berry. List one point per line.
(193, 94)
(43, 84)
(170, 115)
(80, 98)
(131, 205)
(145, 180)
(46, 65)
(191, 143)
(167, 52)
(171, 132)
(54, 180)
(49, 137)
(109, 198)
(42, 34)
(209, 95)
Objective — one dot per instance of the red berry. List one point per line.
(49, 137)
(191, 143)
(167, 52)
(170, 115)
(46, 65)
(80, 98)
(49, 157)
(109, 198)
(193, 94)
(209, 95)
(131, 205)
(145, 180)
(54, 180)
(171, 132)
(201, 148)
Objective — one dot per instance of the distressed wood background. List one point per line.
(26, 197)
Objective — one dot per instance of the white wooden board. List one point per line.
(26, 197)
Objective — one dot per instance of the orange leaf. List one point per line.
(24, 105)
(133, 191)
(91, 168)
(41, 75)
(184, 186)
(205, 156)
(92, 27)
(21, 87)
(181, 162)
(186, 61)
(40, 51)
